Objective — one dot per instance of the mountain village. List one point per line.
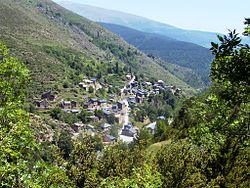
(110, 112)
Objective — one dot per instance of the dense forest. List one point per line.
(184, 54)
(206, 145)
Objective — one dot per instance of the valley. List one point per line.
(119, 101)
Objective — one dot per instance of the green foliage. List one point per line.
(82, 162)
(247, 29)
(16, 141)
(144, 139)
(179, 164)
(19, 160)
(230, 68)
(119, 161)
(65, 144)
(163, 131)
(140, 177)
(59, 114)
(84, 116)
(212, 144)
(158, 105)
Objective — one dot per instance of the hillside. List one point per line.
(60, 47)
(181, 53)
(139, 23)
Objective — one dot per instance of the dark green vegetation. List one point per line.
(180, 53)
(207, 144)
(60, 47)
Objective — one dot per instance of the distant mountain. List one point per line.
(139, 23)
(181, 53)
(61, 47)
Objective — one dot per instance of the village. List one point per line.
(109, 117)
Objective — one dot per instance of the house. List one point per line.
(88, 82)
(132, 100)
(93, 101)
(87, 105)
(89, 128)
(139, 99)
(84, 86)
(66, 104)
(161, 118)
(41, 105)
(129, 77)
(115, 108)
(91, 104)
(109, 139)
(134, 84)
(151, 127)
(77, 126)
(128, 130)
(93, 80)
(106, 113)
(102, 102)
(121, 105)
(48, 95)
(148, 84)
(177, 92)
(105, 127)
(73, 104)
(140, 94)
(75, 111)
(94, 118)
(160, 82)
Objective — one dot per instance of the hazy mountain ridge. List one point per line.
(202, 38)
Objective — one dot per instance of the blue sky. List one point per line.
(207, 15)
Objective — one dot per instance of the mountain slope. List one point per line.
(139, 23)
(181, 53)
(59, 46)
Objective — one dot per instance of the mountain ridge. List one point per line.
(140, 23)
(181, 53)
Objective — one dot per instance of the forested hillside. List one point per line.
(57, 44)
(184, 54)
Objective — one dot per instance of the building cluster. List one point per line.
(86, 84)
(43, 102)
(138, 92)
(108, 110)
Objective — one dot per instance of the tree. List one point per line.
(230, 69)
(84, 116)
(82, 164)
(144, 176)
(16, 140)
(179, 164)
(247, 29)
(213, 142)
(91, 89)
(65, 144)
(20, 164)
(119, 161)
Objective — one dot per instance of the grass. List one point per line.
(154, 148)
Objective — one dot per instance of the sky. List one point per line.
(205, 15)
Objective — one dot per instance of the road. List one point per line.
(126, 113)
